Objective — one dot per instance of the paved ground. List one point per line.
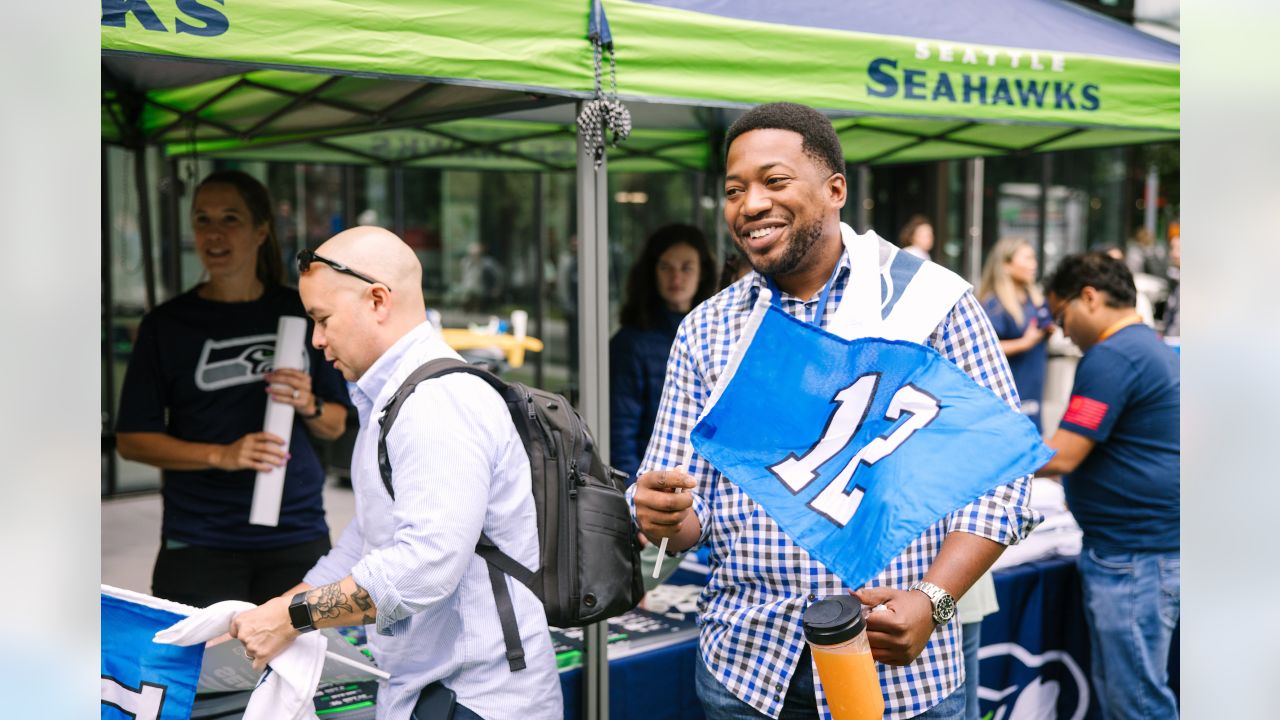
(131, 535)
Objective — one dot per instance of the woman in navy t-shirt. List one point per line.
(1021, 320)
(193, 404)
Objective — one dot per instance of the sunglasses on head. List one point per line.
(306, 257)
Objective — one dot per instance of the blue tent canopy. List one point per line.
(1044, 24)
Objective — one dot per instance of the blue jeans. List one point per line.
(972, 635)
(800, 704)
(1131, 602)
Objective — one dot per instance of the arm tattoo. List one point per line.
(328, 601)
(361, 598)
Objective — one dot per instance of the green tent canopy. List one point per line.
(485, 84)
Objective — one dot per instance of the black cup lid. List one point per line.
(833, 620)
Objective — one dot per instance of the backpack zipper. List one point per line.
(571, 524)
(536, 419)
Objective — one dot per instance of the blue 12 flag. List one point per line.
(141, 679)
(855, 447)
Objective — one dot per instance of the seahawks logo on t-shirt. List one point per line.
(226, 363)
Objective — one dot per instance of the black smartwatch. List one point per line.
(319, 409)
(300, 613)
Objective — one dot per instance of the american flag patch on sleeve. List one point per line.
(1085, 412)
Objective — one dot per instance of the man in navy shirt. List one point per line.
(1118, 448)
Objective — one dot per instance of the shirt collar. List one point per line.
(758, 282)
(376, 377)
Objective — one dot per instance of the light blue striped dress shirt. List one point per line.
(458, 468)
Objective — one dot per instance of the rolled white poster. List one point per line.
(268, 487)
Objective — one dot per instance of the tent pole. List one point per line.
(108, 339)
(1042, 223)
(714, 184)
(170, 224)
(593, 379)
(397, 197)
(540, 279)
(144, 223)
(300, 203)
(350, 212)
(973, 218)
(1150, 198)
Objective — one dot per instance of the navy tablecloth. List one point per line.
(1035, 653)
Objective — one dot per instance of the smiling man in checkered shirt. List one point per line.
(784, 188)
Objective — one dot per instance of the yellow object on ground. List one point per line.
(514, 348)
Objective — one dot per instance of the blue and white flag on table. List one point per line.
(855, 447)
(142, 679)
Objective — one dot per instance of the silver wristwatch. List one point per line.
(944, 606)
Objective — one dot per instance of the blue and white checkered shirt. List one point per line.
(761, 582)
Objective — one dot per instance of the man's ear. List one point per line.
(1092, 298)
(837, 190)
(380, 300)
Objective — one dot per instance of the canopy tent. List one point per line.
(490, 84)
(923, 81)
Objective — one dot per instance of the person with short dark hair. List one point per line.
(818, 138)
(784, 188)
(1118, 448)
(193, 404)
(674, 273)
(916, 237)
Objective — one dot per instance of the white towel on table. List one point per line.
(286, 689)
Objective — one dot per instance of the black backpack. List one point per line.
(590, 561)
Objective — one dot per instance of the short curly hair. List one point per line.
(820, 140)
(1097, 270)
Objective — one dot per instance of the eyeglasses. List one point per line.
(1059, 317)
(306, 257)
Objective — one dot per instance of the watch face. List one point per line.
(300, 616)
(946, 609)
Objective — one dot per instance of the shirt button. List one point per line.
(778, 688)
(812, 597)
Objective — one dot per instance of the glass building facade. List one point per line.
(521, 227)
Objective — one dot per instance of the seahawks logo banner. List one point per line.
(855, 447)
(141, 679)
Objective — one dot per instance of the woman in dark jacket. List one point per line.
(674, 273)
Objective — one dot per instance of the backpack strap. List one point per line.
(500, 564)
(428, 371)
(502, 597)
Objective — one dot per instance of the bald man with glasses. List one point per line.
(406, 565)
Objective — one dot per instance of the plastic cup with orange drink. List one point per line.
(837, 636)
